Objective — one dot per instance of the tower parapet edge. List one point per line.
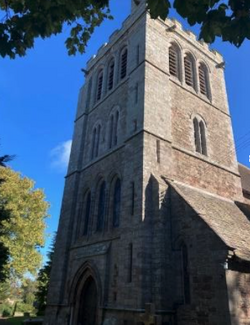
(135, 4)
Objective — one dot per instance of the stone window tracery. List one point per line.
(200, 136)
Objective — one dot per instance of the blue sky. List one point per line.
(38, 98)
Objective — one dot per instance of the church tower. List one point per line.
(149, 231)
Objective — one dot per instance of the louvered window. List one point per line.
(111, 75)
(200, 136)
(124, 59)
(203, 78)
(174, 62)
(189, 71)
(99, 86)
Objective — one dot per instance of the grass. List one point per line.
(16, 320)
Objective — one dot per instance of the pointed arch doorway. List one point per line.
(87, 312)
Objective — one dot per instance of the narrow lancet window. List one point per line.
(185, 273)
(130, 261)
(113, 129)
(93, 144)
(117, 203)
(101, 207)
(87, 213)
(200, 136)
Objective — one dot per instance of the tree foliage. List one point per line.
(43, 280)
(228, 19)
(23, 230)
(4, 215)
(25, 20)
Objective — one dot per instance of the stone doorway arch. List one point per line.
(88, 304)
(86, 296)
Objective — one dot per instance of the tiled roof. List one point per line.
(245, 177)
(221, 215)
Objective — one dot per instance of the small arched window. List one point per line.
(174, 61)
(113, 129)
(111, 74)
(99, 85)
(189, 70)
(101, 207)
(203, 80)
(117, 203)
(200, 136)
(96, 141)
(123, 63)
(87, 205)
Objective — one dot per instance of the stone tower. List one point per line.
(149, 231)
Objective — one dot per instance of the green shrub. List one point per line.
(24, 308)
(7, 311)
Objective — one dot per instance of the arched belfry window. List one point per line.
(203, 80)
(123, 63)
(111, 74)
(174, 61)
(101, 207)
(87, 206)
(116, 203)
(99, 85)
(200, 136)
(113, 129)
(189, 70)
(96, 136)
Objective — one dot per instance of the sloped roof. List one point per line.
(245, 177)
(221, 215)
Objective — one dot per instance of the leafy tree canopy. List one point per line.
(228, 19)
(23, 230)
(25, 20)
